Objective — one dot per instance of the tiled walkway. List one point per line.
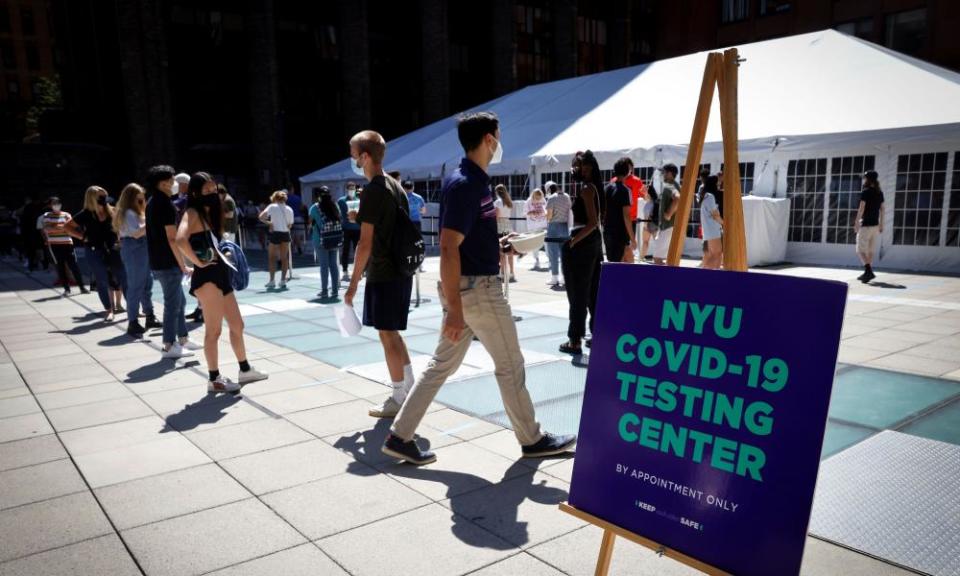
(115, 462)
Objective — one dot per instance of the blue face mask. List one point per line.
(355, 165)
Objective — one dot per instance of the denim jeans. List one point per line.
(136, 263)
(174, 302)
(104, 264)
(328, 269)
(556, 230)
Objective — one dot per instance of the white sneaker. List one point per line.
(251, 375)
(270, 285)
(553, 282)
(222, 384)
(190, 344)
(175, 351)
(283, 284)
(389, 409)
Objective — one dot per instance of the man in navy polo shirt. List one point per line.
(473, 301)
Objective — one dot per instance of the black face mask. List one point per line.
(102, 200)
(212, 201)
(576, 175)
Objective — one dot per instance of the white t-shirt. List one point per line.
(281, 217)
(503, 212)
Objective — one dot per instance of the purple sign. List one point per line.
(705, 408)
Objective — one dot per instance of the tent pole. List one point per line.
(694, 152)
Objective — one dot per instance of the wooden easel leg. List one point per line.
(606, 553)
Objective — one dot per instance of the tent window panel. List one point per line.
(645, 173)
(693, 224)
(746, 177)
(806, 185)
(953, 210)
(919, 199)
(846, 176)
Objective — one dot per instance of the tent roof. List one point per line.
(805, 86)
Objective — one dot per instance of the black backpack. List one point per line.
(408, 247)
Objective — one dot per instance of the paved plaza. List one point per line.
(115, 462)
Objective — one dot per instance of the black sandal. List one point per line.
(566, 348)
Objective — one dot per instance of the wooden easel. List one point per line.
(721, 70)
(611, 531)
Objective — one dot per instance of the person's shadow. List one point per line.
(156, 370)
(473, 500)
(887, 285)
(207, 410)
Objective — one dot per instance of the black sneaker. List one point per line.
(862, 277)
(135, 330)
(550, 445)
(84, 290)
(152, 322)
(407, 451)
(868, 276)
(194, 315)
(588, 342)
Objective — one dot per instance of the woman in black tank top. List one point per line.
(198, 238)
(582, 254)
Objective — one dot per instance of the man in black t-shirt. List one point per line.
(869, 223)
(386, 298)
(166, 261)
(618, 237)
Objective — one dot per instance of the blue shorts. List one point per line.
(386, 305)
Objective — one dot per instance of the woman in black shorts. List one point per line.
(198, 237)
(279, 217)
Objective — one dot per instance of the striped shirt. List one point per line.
(559, 204)
(54, 226)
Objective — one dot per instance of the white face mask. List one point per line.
(56, 207)
(351, 193)
(357, 169)
(497, 154)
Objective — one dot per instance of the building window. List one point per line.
(953, 216)
(645, 173)
(4, 20)
(693, 224)
(746, 177)
(534, 44)
(8, 56)
(734, 10)
(13, 90)
(862, 28)
(27, 26)
(846, 182)
(806, 188)
(591, 45)
(560, 178)
(768, 7)
(918, 200)
(907, 31)
(33, 58)
(459, 60)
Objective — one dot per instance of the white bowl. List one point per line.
(527, 243)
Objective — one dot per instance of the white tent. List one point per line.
(815, 110)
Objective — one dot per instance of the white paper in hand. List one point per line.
(347, 320)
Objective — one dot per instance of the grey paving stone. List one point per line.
(104, 556)
(77, 357)
(105, 412)
(360, 387)
(443, 545)
(287, 466)
(576, 554)
(304, 399)
(155, 498)
(114, 435)
(85, 395)
(459, 469)
(39, 482)
(31, 451)
(75, 381)
(334, 419)
(459, 424)
(524, 564)
(212, 411)
(279, 382)
(522, 511)
(55, 377)
(50, 524)
(304, 560)
(247, 438)
(20, 427)
(211, 539)
(173, 452)
(825, 559)
(14, 391)
(18, 406)
(332, 505)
